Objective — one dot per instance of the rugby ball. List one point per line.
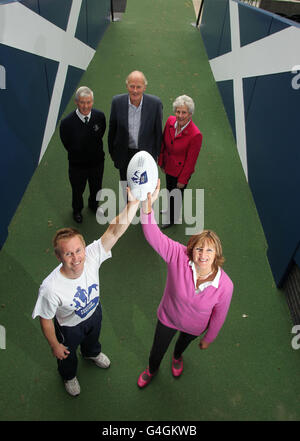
(142, 175)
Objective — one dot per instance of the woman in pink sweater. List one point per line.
(197, 294)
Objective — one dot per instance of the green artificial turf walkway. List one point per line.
(251, 371)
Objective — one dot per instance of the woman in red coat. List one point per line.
(179, 152)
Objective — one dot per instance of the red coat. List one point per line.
(178, 155)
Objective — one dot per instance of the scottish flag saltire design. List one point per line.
(254, 57)
(45, 46)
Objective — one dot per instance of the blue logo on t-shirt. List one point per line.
(82, 302)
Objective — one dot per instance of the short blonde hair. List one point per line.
(63, 234)
(207, 236)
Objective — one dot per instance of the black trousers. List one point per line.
(123, 172)
(162, 339)
(85, 335)
(175, 202)
(79, 176)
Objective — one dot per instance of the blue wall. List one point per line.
(271, 108)
(27, 83)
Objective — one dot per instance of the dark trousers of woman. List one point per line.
(79, 176)
(175, 202)
(162, 339)
(85, 335)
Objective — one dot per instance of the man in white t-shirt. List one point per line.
(68, 303)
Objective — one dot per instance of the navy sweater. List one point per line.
(83, 142)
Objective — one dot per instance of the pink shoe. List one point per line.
(177, 366)
(145, 378)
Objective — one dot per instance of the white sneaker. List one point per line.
(101, 360)
(72, 387)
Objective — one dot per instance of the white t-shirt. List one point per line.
(72, 300)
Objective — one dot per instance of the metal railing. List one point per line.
(199, 13)
(117, 6)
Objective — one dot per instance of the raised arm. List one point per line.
(119, 225)
(151, 198)
(167, 248)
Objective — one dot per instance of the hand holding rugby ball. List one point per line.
(142, 175)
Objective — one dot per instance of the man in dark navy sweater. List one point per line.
(81, 133)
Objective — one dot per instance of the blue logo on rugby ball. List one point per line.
(140, 179)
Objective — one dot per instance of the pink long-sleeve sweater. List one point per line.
(181, 307)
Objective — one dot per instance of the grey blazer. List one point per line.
(150, 133)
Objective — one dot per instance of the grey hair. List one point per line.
(137, 72)
(184, 100)
(83, 91)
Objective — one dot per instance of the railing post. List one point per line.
(112, 10)
(199, 13)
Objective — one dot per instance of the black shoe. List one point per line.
(77, 217)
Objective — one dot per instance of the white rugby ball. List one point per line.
(142, 175)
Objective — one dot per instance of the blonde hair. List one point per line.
(207, 236)
(63, 234)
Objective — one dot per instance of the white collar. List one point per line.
(176, 124)
(202, 286)
(139, 106)
(82, 117)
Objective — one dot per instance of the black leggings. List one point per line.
(175, 201)
(162, 339)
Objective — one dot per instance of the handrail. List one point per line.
(199, 13)
(112, 10)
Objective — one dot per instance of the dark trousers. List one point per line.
(162, 339)
(123, 172)
(85, 335)
(79, 176)
(175, 202)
